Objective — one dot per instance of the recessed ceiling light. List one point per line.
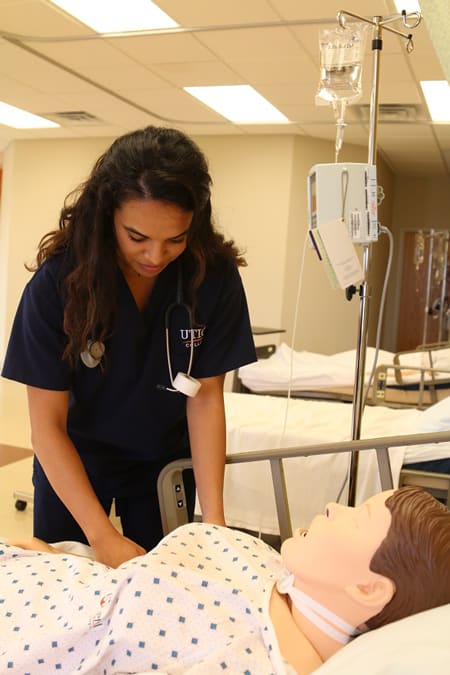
(238, 103)
(115, 16)
(437, 97)
(21, 119)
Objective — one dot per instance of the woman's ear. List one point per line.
(375, 593)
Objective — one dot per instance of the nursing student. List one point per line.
(123, 336)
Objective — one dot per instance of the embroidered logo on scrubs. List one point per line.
(194, 334)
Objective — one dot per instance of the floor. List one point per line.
(15, 460)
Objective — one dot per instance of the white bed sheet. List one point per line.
(309, 370)
(256, 422)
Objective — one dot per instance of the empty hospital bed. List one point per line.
(416, 378)
(257, 423)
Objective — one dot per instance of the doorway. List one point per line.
(423, 315)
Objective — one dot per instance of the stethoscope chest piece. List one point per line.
(93, 353)
(186, 384)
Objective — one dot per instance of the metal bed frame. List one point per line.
(433, 383)
(172, 499)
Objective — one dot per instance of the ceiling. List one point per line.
(51, 64)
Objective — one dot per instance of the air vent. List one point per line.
(74, 117)
(390, 112)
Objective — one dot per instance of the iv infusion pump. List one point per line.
(345, 191)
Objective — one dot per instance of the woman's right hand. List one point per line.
(115, 549)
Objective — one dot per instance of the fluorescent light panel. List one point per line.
(238, 103)
(407, 5)
(437, 96)
(116, 16)
(21, 119)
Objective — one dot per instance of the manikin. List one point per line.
(354, 569)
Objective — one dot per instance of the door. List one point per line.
(425, 286)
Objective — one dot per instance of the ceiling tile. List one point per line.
(132, 81)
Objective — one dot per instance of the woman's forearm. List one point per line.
(206, 422)
(61, 462)
(65, 472)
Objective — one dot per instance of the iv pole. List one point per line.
(379, 25)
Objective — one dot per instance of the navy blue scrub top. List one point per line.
(117, 414)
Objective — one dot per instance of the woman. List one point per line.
(135, 287)
(209, 599)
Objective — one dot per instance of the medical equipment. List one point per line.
(416, 378)
(342, 198)
(183, 383)
(341, 56)
(93, 353)
(326, 621)
(347, 192)
(423, 309)
(379, 24)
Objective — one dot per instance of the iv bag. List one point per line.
(341, 57)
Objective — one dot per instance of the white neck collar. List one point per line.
(328, 622)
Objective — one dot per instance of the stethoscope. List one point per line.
(183, 383)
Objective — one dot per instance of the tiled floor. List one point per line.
(15, 459)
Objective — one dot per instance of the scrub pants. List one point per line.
(139, 514)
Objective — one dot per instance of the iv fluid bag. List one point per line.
(341, 57)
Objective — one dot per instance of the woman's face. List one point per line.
(150, 234)
(339, 545)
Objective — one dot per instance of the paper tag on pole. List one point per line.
(338, 253)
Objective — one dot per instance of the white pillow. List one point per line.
(435, 418)
(417, 645)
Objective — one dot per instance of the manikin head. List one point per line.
(378, 562)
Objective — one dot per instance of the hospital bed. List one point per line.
(256, 423)
(416, 378)
(417, 644)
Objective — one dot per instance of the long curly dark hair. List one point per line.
(152, 163)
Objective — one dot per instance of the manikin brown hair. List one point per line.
(415, 555)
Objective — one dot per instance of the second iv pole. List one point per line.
(379, 25)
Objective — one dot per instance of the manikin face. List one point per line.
(150, 234)
(339, 545)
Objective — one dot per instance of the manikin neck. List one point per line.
(332, 631)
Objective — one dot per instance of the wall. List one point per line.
(251, 197)
(259, 197)
(37, 175)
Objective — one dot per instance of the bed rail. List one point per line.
(171, 494)
(432, 385)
